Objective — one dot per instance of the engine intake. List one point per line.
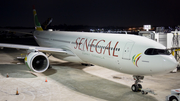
(37, 61)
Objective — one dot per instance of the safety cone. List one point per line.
(46, 80)
(7, 75)
(17, 93)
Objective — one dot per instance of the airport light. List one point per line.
(147, 27)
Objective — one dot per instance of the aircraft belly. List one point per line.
(69, 58)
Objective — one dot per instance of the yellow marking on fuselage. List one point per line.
(137, 56)
(39, 28)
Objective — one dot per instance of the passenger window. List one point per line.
(153, 51)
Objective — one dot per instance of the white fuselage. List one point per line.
(119, 52)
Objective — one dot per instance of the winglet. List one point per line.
(36, 22)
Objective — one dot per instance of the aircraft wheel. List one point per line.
(139, 87)
(143, 92)
(173, 98)
(134, 88)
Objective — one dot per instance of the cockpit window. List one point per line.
(152, 51)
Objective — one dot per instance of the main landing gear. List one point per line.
(137, 87)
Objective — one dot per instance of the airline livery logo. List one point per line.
(136, 58)
(37, 24)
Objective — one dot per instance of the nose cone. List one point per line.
(169, 63)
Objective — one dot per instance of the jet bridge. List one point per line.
(148, 34)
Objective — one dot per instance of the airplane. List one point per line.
(130, 54)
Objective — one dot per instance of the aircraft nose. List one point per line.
(169, 63)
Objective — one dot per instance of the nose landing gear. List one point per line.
(137, 87)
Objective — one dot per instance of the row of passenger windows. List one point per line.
(54, 40)
(153, 51)
(103, 47)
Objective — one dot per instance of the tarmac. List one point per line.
(68, 81)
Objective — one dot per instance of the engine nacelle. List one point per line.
(37, 61)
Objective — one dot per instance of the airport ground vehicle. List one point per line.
(175, 95)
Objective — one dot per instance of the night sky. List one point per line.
(121, 13)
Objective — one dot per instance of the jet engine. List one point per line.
(37, 61)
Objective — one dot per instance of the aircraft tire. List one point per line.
(139, 87)
(143, 92)
(173, 98)
(134, 88)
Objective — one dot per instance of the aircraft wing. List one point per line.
(21, 32)
(15, 31)
(38, 48)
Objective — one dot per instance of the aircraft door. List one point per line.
(127, 50)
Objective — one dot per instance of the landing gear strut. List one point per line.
(137, 87)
